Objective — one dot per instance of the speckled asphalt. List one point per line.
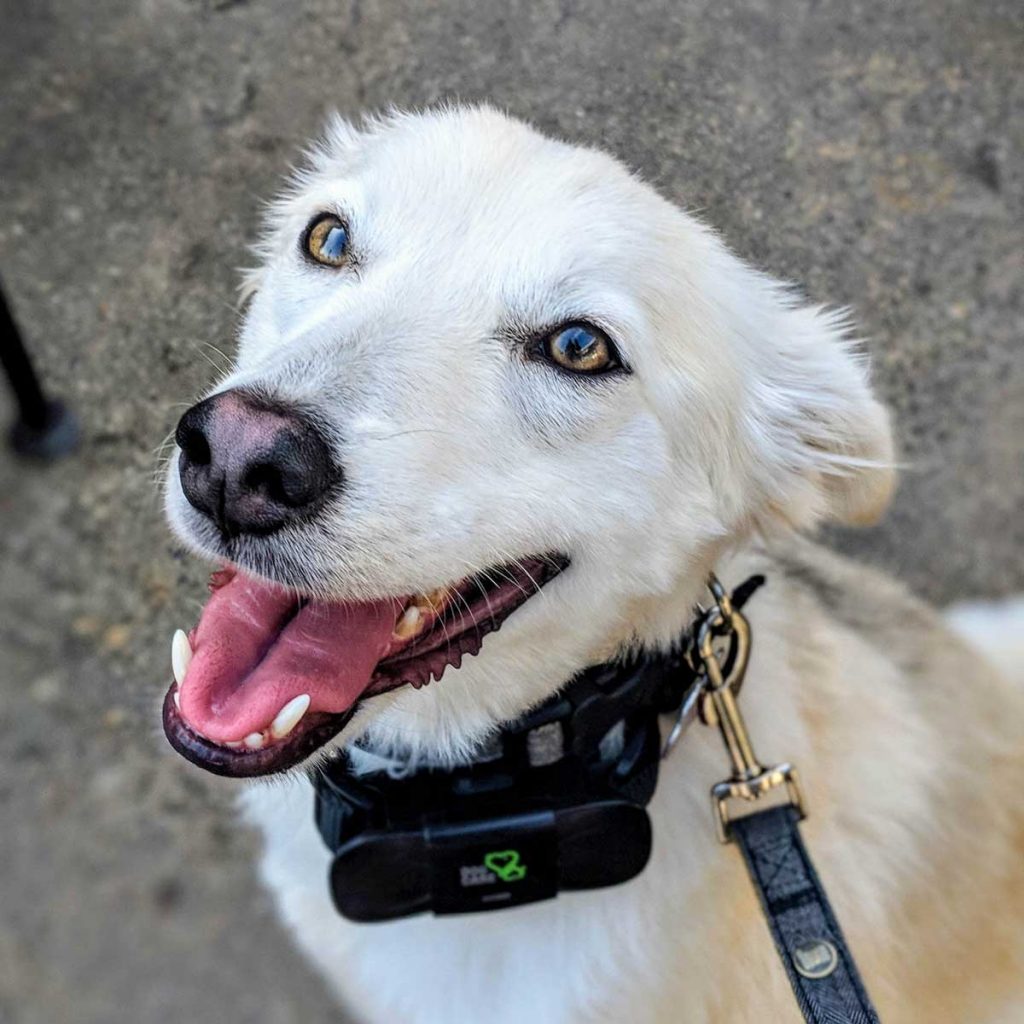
(870, 151)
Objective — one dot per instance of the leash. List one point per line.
(556, 802)
(824, 977)
(817, 959)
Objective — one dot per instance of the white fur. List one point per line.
(747, 414)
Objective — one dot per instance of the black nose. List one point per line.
(251, 465)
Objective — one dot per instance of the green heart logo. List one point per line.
(505, 864)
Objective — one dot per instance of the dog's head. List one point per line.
(485, 379)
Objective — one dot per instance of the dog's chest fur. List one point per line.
(912, 825)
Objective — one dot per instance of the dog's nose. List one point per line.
(250, 465)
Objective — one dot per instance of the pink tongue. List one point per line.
(253, 653)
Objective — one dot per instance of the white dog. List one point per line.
(473, 353)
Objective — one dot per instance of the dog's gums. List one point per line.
(267, 677)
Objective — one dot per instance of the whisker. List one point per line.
(405, 433)
(220, 352)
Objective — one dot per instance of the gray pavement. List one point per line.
(869, 150)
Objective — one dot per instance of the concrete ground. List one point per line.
(869, 150)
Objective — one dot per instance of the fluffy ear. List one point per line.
(825, 441)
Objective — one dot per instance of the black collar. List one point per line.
(598, 736)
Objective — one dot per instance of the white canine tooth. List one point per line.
(177, 700)
(181, 655)
(289, 716)
(432, 602)
(409, 624)
(254, 741)
(234, 744)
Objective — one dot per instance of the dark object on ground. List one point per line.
(44, 429)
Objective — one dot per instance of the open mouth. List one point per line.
(268, 677)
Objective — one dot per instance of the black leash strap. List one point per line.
(807, 935)
(821, 970)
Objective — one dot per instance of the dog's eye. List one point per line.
(581, 348)
(327, 240)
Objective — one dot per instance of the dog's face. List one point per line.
(485, 379)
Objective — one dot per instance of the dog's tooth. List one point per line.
(289, 716)
(181, 655)
(234, 744)
(409, 624)
(177, 700)
(254, 741)
(433, 600)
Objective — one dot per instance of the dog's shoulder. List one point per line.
(806, 580)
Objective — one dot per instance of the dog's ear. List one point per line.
(826, 440)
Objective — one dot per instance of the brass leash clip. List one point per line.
(750, 780)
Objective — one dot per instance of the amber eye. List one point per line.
(327, 240)
(581, 348)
